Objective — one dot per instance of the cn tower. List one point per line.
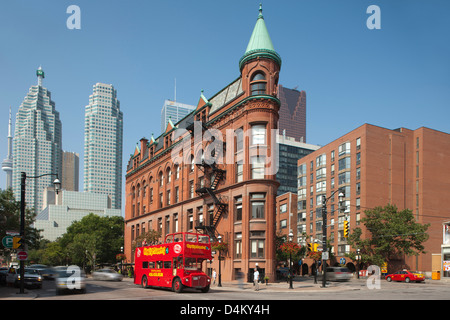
(7, 164)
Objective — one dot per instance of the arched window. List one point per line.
(258, 84)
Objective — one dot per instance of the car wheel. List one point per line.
(389, 279)
(407, 280)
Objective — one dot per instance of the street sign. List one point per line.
(7, 242)
(325, 255)
(22, 255)
(342, 261)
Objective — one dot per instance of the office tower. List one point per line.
(289, 152)
(175, 111)
(36, 143)
(70, 171)
(292, 113)
(7, 164)
(103, 135)
(72, 206)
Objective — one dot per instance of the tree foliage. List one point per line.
(393, 234)
(93, 238)
(10, 218)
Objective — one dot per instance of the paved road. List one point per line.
(304, 289)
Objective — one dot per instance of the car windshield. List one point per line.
(31, 271)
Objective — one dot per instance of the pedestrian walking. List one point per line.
(214, 275)
(256, 279)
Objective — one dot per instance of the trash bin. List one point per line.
(436, 275)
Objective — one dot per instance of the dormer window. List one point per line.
(258, 84)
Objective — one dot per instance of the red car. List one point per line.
(406, 276)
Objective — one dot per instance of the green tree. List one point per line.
(10, 218)
(93, 238)
(393, 234)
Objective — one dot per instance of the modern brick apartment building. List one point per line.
(171, 185)
(377, 166)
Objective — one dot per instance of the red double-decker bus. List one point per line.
(176, 264)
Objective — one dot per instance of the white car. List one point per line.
(31, 278)
(107, 274)
(70, 279)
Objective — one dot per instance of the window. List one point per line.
(191, 189)
(239, 171)
(258, 84)
(258, 134)
(257, 248)
(257, 205)
(238, 245)
(344, 148)
(238, 208)
(344, 163)
(258, 167)
(239, 139)
(283, 208)
(344, 177)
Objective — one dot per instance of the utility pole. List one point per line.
(325, 252)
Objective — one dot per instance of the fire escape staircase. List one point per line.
(220, 205)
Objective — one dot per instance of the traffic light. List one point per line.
(310, 247)
(346, 229)
(18, 243)
(315, 246)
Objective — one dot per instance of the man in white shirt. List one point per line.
(256, 279)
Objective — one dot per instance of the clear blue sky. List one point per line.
(398, 76)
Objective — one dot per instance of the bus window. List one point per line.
(191, 237)
(167, 264)
(151, 264)
(177, 237)
(203, 239)
(159, 264)
(144, 264)
(169, 239)
(192, 264)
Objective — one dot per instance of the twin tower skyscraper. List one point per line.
(37, 144)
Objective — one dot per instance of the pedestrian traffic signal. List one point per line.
(18, 243)
(346, 229)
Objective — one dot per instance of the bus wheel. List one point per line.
(144, 282)
(177, 286)
(205, 289)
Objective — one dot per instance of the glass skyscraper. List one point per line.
(175, 111)
(37, 145)
(103, 138)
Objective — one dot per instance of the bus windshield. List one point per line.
(193, 264)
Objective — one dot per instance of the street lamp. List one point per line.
(324, 231)
(23, 178)
(291, 237)
(220, 273)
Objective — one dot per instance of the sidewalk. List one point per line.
(300, 284)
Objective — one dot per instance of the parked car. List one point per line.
(107, 274)
(70, 279)
(405, 275)
(338, 274)
(31, 278)
(3, 274)
(45, 271)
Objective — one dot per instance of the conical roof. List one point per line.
(260, 44)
